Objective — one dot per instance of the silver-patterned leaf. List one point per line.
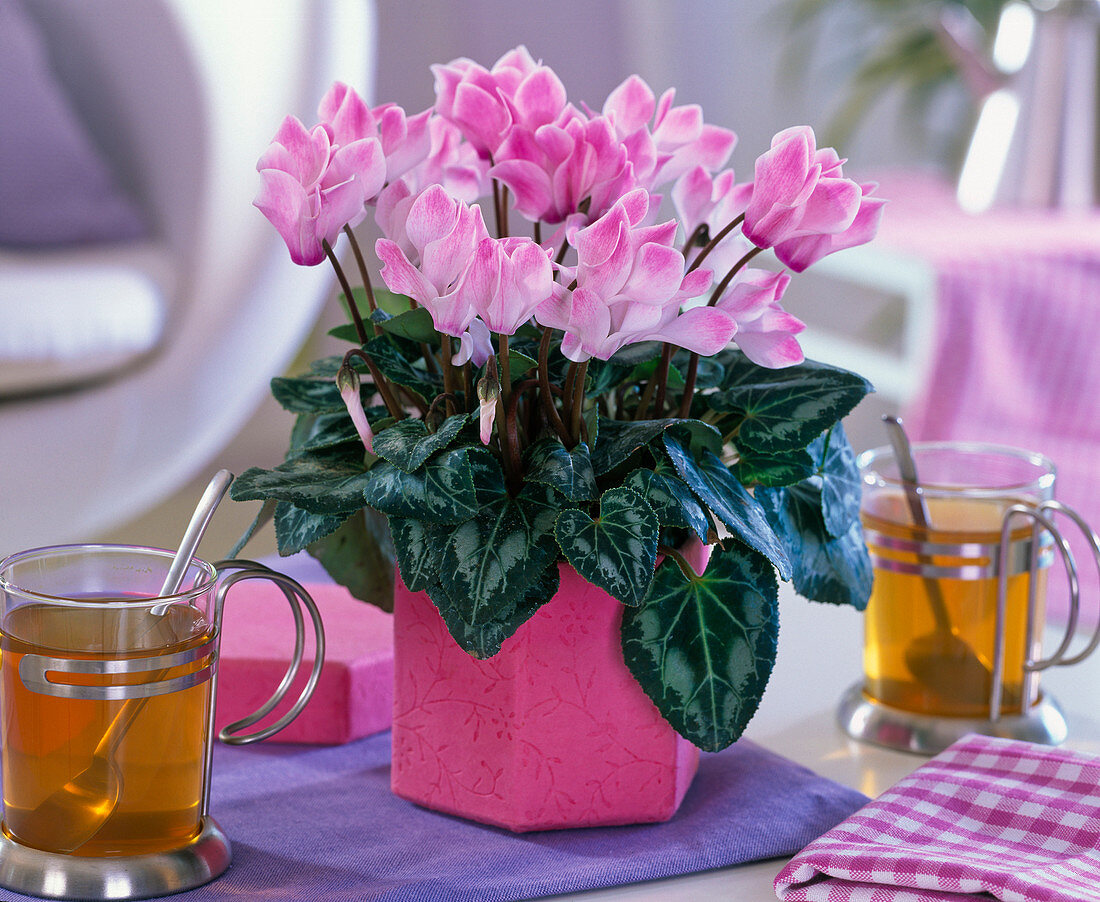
(617, 551)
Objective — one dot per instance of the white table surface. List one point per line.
(820, 649)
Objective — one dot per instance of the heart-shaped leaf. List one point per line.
(826, 568)
(703, 648)
(442, 491)
(489, 562)
(295, 528)
(417, 544)
(787, 408)
(718, 489)
(484, 640)
(671, 499)
(569, 471)
(617, 551)
(327, 430)
(328, 481)
(408, 443)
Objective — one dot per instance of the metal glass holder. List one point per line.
(208, 854)
(1041, 719)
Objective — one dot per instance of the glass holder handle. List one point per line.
(1042, 519)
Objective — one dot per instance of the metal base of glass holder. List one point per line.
(57, 876)
(893, 728)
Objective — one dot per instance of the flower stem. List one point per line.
(552, 416)
(681, 562)
(578, 400)
(360, 329)
(661, 376)
(363, 274)
(713, 243)
(689, 387)
(737, 267)
(509, 436)
(448, 373)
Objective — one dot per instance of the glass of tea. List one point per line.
(931, 623)
(106, 691)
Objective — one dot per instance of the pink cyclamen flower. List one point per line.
(665, 141)
(799, 253)
(571, 171)
(310, 187)
(507, 279)
(631, 285)
(486, 104)
(765, 331)
(347, 380)
(799, 191)
(445, 234)
(715, 202)
(405, 139)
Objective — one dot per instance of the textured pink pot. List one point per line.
(551, 732)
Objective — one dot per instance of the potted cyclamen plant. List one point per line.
(591, 432)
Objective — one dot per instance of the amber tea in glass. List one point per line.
(940, 663)
(105, 691)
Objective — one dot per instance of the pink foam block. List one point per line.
(354, 697)
(551, 732)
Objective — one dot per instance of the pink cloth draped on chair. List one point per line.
(1015, 359)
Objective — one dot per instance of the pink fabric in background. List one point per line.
(988, 818)
(1017, 337)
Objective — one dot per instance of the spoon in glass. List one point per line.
(942, 661)
(78, 810)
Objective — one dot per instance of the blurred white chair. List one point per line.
(182, 96)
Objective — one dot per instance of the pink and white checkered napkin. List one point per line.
(1014, 820)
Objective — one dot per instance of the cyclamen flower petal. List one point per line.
(507, 279)
(765, 331)
(310, 189)
(444, 233)
(799, 253)
(404, 140)
(798, 191)
(476, 345)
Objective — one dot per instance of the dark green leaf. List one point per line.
(605, 375)
(671, 499)
(718, 489)
(617, 551)
(305, 394)
(408, 444)
(393, 365)
(419, 548)
(328, 481)
(709, 372)
(484, 640)
(359, 556)
(296, 528)
(634, 354)
(442, 491)
(841, 486)
(780, 468)
(327, 430)
(345, 332)
(490, 560)
(569, 471)
(829, 569)
(619, 439)
(703, 648)
(787, 408)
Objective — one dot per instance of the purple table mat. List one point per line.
(320, 823)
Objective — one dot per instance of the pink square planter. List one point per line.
(551, 732)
